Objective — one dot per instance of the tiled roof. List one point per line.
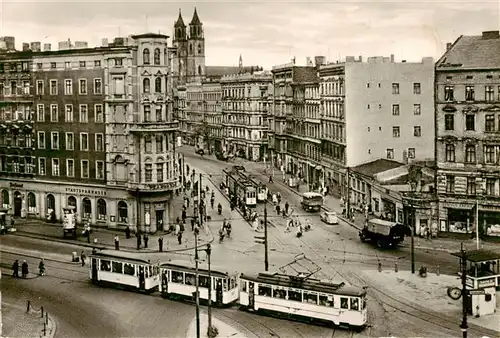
(472, 52)
(375, 167)
(305, 74)
(219, 71)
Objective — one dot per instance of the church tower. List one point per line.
(180, 42)
(196, 50)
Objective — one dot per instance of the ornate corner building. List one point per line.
(91, 128)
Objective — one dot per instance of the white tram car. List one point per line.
(178, 280)
(241, 187)
(339, 304)
(139, 271)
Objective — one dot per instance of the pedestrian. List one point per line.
(184, 215)
(286, 207)
(15, 269)
(287, 229)
(117, 242)
(270, 178)
(192, 224)
(41, 268)
(146, 239)
(160, 244)
(24, 269)
(82, 257)
(127, 232)
(179, 237)
(278, 209)
(178, 228)
(279, 197)
(138, 236)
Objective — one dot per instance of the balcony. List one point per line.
(155, 187)
(140, 127)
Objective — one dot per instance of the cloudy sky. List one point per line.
(266, 33)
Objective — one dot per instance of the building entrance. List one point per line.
(18, 204)
(159, 220)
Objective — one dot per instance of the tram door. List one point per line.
(94, 270)
(218, 291)
(164, 282)
(142, 278)
(251, 295)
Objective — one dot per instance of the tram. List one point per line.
(178, 281)
(241, 187)
(259, 187)
(339, 304)
(137, 271)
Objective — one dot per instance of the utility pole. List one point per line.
(348, 196)
(463, 261)
(412, 228)
(263, 239)
(208, 250)
(196, 284)
(200, 203)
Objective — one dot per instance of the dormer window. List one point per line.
(145, 56)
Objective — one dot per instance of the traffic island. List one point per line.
(223, 329)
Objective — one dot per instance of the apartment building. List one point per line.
(212, 129)
(467, 97)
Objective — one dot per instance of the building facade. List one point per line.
(245, 106)
(212, 131)
(104, 135)
(468, 135)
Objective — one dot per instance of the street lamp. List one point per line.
(210, 330)
(196, 283)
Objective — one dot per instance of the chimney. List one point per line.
(319, 60)
(36, 46)
(349, 59)
(104, 42)
(392, 58)
(26, 47)
(3, 45)
(47, 47)
(10, 42)
(489, 35)
(360, 58)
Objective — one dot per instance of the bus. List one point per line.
(312, 201)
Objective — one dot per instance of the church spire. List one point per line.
(196, 19)
(180, 21)
(241, 62)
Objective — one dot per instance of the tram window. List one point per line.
(364, 303)
(264, 291)
(295, 295)
(150, 269)
(326, 301)
(105, 265)
(190, 279)
(279, 294)
(155, 270)
(311, 298)
(117, 267)
(244, 286)
(129, 269)
(232, 283)
(203, 281)
(354, 303)
(344, 302)
(177, 277)
(225, 284)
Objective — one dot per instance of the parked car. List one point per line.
(329, 217)
(200, 151)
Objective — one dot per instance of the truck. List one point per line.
(385, 234)
(69, 222)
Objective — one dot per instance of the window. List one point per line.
(70, 141)
(53, 65)
(68, 112)
(159, 172)
(67, 65)
(99, 115)
(40, 112)
(97, 63)
(31, 203)
(490, 186)
(469, 93)
(13, 88)
(149, 172)
(99, 142)
(82, 64)
(82, 86)
(55, 167)
(470, 123)
(470, 153)
(157, 56)
(448, 93)
(98, 86)
(70, 167)
(118, 85)
(85, 169)
(416, 88)
(325, 300)
(116, 267)
(277, 293)
(489, 123)
(178, 277)
(123, 212)
(84, 114)
(450, 153)
(395, 131)
(101, 215)
(416, 109)
(55, 140)
(68, 87)
(41, 140)
(449, 122)
(84, 141)
(450, 183)
(41, 166)
(159, 114)
(54, 113)
(146, 85)
(158, 85)
(489, 94)
(390, 153)
(489, 154)
(39, 87)
(344, 302)
(395, 88)
(417, 131)
(395, 109)
(294, 295)
(311, 298)
(99, 170)
(411, 152)
(147, 113)
(148, 145)
(471, 185)
(39, 65)
(159, 144)
(354, 304)
(105, 265)
(145, 56)
(53, 87)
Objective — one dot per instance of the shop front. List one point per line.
(460, 218)
(489, 220)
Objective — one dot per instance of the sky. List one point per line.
(265, 33)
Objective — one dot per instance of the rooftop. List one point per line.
(150, 36)
(220, 71)
(374, 167)
(477, 256)
(478, 51)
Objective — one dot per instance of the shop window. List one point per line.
(129, 269)
(295, 295)
(87, 207)
(177, 277)
(122, 212)
(264, 291)
(5, 199)
(344, 303)
(279, 294)
(105, 265)
(72, 202)
(101, 209)
(354, 304)
(31, 203)
(117, 267)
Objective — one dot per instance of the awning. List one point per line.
(462, 206)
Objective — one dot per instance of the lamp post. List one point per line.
(463, 261)
(196, 284)
(208, 250)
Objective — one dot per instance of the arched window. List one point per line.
(159, 169)
(199, 70)
(31, 203)
(122, 212)
(101, 209)
(158, 85)
(157, 56)
(5, 199)
(120, 170)
(190, 49)
(87, 207)
(145, 56)
(72, 202)
(145, 85)
(51, 203)
(199, 49)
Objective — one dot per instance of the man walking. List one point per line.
(82, 257)
(160, 244)
(117, 242)
(15, 269)
(146, 239)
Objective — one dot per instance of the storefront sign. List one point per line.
(83, 191)
(484, 283)
(16, 185)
